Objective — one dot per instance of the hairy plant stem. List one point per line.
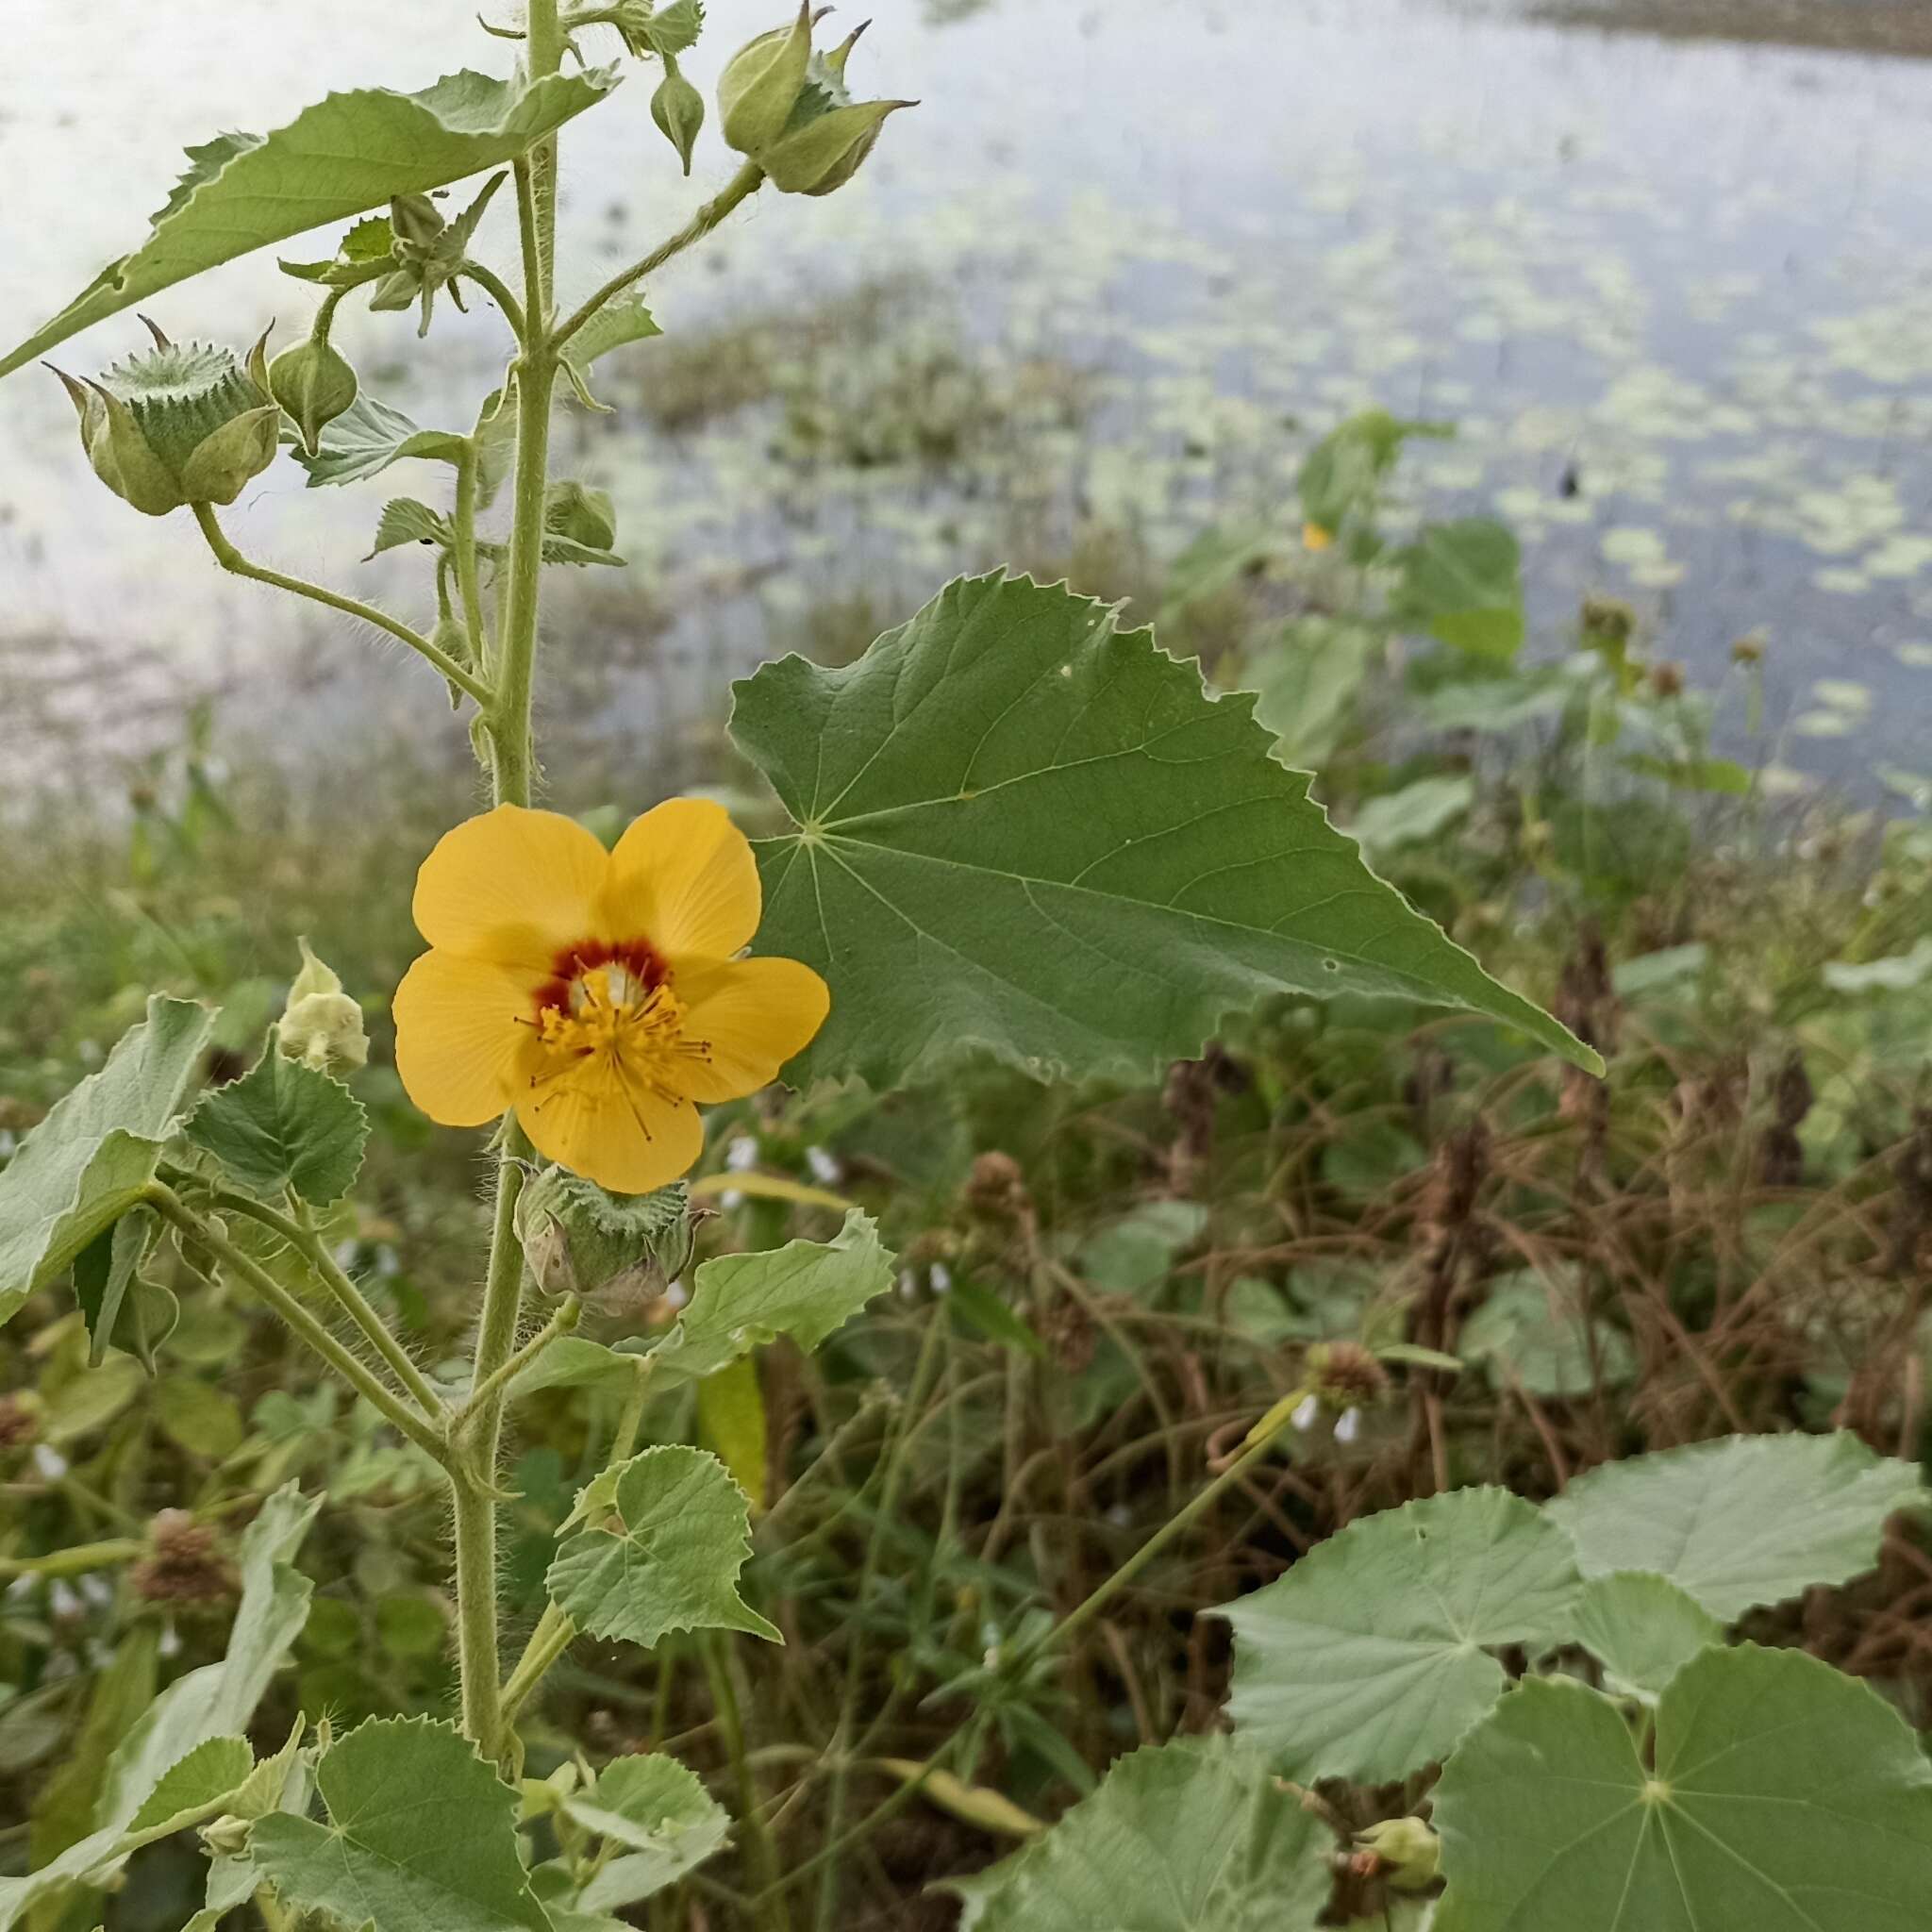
(345, 1362)
(467, 586)
(300, 1233)
(234, 562)
(741, 186)
(473, 1470)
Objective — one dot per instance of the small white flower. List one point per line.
(730, 1198)
(825, 1166)
(8, 1141)
(50, 1465)
(908, 1283)
(677, 1295)
(62, 1599)
(741, 1152)
(170, 1640)
(1306, 1413)
(1349, 1426)
(941, 1278)
(95, 1588)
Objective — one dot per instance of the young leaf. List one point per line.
(422, 1833)
(213, 1773)
(367, 438)
(284, 1124)
(804, 1290)
(346, 153)
(1368, 1661)
(1188, 1837)
(1785, 1797)
(103, 1274)
(1462, 582)
(405, 521)
(219, 1699)
(660, 1813)
(85, 1165)
(1016, 829)
(1741, 1521)
(1642, 1630)
(671, 1557)
(618, 323)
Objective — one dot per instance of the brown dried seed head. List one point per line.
(1343, 1375)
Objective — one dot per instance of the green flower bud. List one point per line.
(761, 84)
(315, 383)
(184, 423)
(827, 151)
(580, 1241)
(322, 1027)
(678, 110)
(826, 135)
(1408, 1854)
(227, 1836)
(584, 516)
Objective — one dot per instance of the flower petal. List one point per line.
(458, 1037)
(512, 885)
(752, 1014)
(613, 1131)
(684, 878)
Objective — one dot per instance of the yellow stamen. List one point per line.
(615, 1024)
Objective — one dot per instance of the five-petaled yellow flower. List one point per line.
(597, 993)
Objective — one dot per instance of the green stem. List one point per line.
(556, 1630)
(301, 1235)
(75, 1560)
(741, 186)
(497, 290)
(485, 1393)
(233, 561)
(347, 1364)
(473, 1474)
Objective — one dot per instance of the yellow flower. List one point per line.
(1315, 537)
(597, 993)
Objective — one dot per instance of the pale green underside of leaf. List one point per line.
(346, 153)
(85, 1165)
(420, 1834)
(660, 1813)
(805, 1289)
(219, 1699)
(1642, 1630)
(1741, 1521)
(1016, 829)
(1369, 1658)
(1786, 1798)
(282, 1125)
(1188, 1837)
(671, 1559)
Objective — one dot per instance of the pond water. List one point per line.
(1677, 296)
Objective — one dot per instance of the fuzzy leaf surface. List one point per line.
(1642, 1630)
(1786, 1797)
(85, 1165)
(805, 1289)
(1017, 829)
(346, 153)
(663, 1816)
(1741, 1521)
(284, 1124)
(1188, 1837)
(667, 1535)
(1369, 1658)
(420, 1833)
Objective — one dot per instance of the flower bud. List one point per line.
(1408, 1853)
(826, 152)
(761, 85)
(315, 383)
(584, 516)
(184, 423)
(226, 1836)
(322, 1027)
(430, 252)
(678, 110)
(580, 1241)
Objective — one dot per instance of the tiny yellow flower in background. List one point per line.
(598, 994)
(1315, 537)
